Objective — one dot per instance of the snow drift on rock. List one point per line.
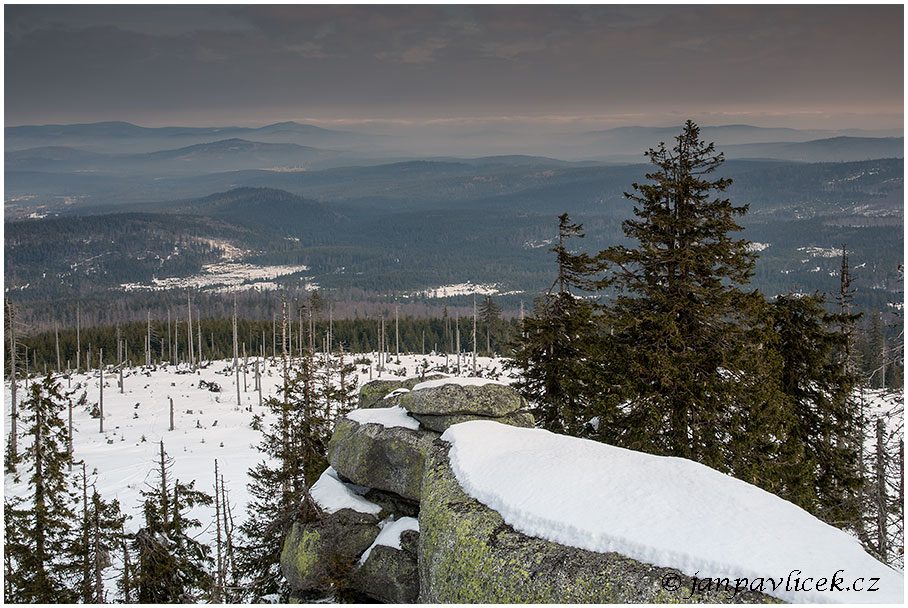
(386, 416)
(332, 495)
(458, 381)
(389, 536)
(668, 512)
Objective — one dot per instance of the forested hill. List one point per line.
(380, 233)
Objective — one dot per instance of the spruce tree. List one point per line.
(821, 455)
(171, 566)
(294, 446)
(39, 526)
(676, 318)
(557, 349)
(489, 312)
(100, 535)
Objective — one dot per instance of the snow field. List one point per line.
(124, 457)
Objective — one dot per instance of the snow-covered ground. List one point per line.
(223, 277)
(460, 289)
(665, 511)
(211, 425)
(208, 425)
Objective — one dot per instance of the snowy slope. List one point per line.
(124, 456)
(668, 512)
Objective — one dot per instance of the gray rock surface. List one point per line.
(371, 393)
(468, 554)
(316, 553)
(389, 459)
(390, 575)
(441, 423)
(490, 400)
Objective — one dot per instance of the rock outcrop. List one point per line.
(389, 465)
(371, 393)
(315, 554)
(389, 459)
(381, 464)
(468, 554)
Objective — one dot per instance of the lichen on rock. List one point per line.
(371, 393)
(468, 554)
(389, 459)
(441, 423)
(312, 551)
(390, 575)
(489, 400)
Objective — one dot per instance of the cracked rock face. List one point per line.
(391, 575)
(389, 459)
(441, 423)
(312, 550)
(372, 393)
(490, 400)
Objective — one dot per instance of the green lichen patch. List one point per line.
(312, 551)
(489, 400)
(389, 459)
(468, 554)
(441, 423)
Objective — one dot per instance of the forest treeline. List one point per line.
(213, 337)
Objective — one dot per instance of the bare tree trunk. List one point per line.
(169, 341)
(285, 439)
(199, 332)
(57, 341)
(236, 366)
(228, 535)
(101, 387)
(258, 375)
(474, 335)
(69, 438)
(79, 341)
(14, 414)
(164, 500)
(188, 331)
(245, 364)
(86, 560)
(148, 339)
(881, 498)
(171, 413)
(219, 578)
(457, 332)
(96, 549)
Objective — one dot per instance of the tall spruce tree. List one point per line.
(819, 451)
(677, 320)
(39, 525)
(100, 534)
(171, 566)
(557, 349)
(489, 313)
(294, 446)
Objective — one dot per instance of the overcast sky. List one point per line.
(569, 66)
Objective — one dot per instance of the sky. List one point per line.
(462, 66)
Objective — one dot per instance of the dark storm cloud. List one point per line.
(161, 63)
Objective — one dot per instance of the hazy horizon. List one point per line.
(452, 69)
